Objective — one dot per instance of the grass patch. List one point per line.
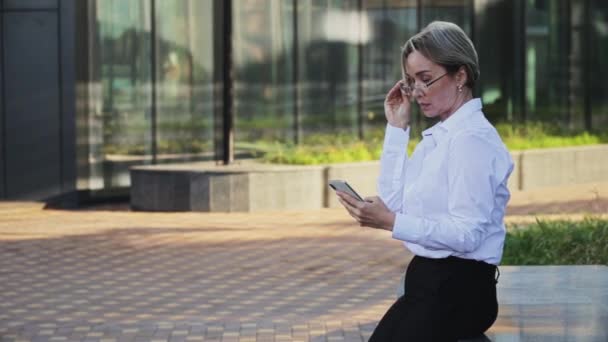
(337, 148)
(315, 155)
(328, 148)
(542, 135)
(557, 243)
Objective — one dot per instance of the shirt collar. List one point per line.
(455, 122)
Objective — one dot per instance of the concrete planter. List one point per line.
(212, 188)
(557, 166)
(252, 186)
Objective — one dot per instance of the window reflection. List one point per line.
(184, 87)
(459, 12)
(598, 55)
(500, 48)
(154, 70)
(392, 23)
(549, 81)
(263, 59)
(328, 66)
(122, 126)
(116, 125)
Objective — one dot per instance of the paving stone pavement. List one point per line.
(129, 276)
(116, 275)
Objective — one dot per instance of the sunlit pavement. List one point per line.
(116, 275)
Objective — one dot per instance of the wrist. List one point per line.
(390, 221)
(402, 125)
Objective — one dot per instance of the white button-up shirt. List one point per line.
(450, 196)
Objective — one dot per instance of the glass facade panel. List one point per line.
(120, 125)
(500, 50)
(152, 84)
(574, 75)
(459, 12)
(598, 66)
(264, 78)
(126, 116)
(328, 35)
(391, 24)
(547, 68)
(184, 79)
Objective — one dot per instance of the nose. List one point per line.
(417, 92)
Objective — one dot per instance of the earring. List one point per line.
(460, 88)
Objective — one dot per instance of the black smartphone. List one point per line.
(343, 186)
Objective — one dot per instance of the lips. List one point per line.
(424, 106)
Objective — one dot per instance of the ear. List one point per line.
(461, 76)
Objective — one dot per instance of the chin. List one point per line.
(429, 114)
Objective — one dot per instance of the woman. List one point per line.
(447, 201)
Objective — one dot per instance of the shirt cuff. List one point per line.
(396, 138)
(408, 228)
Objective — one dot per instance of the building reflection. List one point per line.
(150, 80)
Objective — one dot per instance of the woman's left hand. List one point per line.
(370, 213)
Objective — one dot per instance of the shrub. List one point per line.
(335, 148)
(558, 243)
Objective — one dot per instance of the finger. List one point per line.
(342, 194)
(396, 100)
(350, 199)
(349, 208)
(395, 94)
(353, 210)
(352, 215)
(406, 92)
(396, 86)
(345, 199)
(344, 203)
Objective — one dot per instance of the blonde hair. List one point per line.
(446, 44)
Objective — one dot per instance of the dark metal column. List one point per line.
(521, 46)
(67, 100)
(562, 24)
(419, 120)
(587, 76)
(2, 119)
(154, 135)
(228, 157)
(217, 81)
(360, 72)
(473, 35)
(385, 49)
(296, 76)
(418, 15)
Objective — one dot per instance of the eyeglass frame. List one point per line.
(407, 88)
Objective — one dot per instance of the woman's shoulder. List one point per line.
(480, 136)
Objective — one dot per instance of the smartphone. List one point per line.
(343, 186)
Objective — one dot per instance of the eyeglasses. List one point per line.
(409, 85)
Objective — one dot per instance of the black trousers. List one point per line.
(445, 300)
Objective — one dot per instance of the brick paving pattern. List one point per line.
(125, 276)
(115, 275)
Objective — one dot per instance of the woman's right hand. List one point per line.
(397, 106)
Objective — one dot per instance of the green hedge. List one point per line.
(557, 243)
(335, 148)
(542, 135)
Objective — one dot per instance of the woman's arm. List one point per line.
(394, 152)
(392, 167)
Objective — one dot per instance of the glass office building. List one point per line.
(166, 81)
